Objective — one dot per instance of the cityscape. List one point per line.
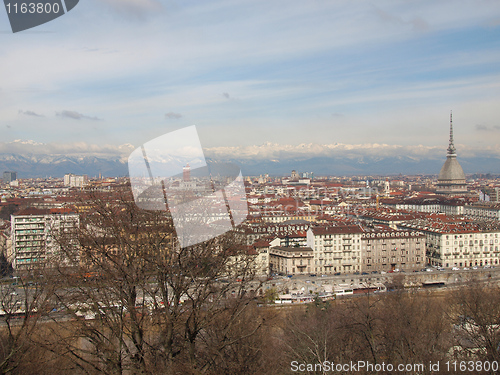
(249, 187)
(307, 240)
(295, 221)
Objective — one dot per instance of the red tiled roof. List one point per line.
(348, 229)
(261, 243)
(45, 211)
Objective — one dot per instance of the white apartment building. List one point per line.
(262, 257)
(73, 180)
(431, 206)
(456, 245)
(483, 211)
(335, 249)
(35, 235)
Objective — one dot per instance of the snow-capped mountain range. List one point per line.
(32, 159)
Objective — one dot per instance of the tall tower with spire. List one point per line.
(451, 180)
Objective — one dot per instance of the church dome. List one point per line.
(451, 170)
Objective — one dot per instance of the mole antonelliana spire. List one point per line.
(451, 180)
(451, 148)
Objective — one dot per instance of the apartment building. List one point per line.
(483, 211)
(73, 180)
(291, 260)
(336, 249)
(459, 244)
(36, 235)
(385, 249)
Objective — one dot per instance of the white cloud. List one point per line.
(24, 147)
(273, 151)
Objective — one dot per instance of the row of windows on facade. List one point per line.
(474, 251)
(476, 263)
(473, 242)
(335, 241)
(335, 248)
(472, 235)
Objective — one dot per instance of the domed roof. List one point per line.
(451, 170)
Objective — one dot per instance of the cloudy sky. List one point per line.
(256, 76)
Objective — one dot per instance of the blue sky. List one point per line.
(255, 76)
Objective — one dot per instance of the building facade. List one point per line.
(36, 235)
(73, 180)
(8, 177)
(464, 249)
(460, 245)
(390, 250)
(335, 249)
(483, 211)
(290, 260)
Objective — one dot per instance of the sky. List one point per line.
(256, 77)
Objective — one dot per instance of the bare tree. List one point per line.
(415, 328)
(140, 303)
(475, 312)
(25, 300)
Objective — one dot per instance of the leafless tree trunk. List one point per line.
(141, 304)
(475, 313)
